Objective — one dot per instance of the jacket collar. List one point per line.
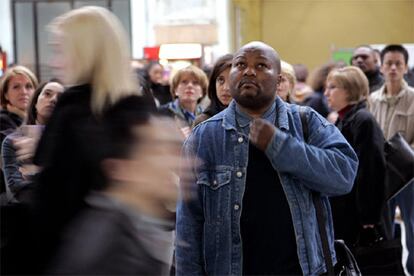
(282, 122)
(403, 91)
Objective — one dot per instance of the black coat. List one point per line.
(364, 204)
(8, 123)
(317, 101)
(106, 240)
(69, 152)
(375, 80)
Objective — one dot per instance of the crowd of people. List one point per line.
(106, 171)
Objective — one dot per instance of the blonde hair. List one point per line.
(289, 72)
(353, 81)
(97, 45)
(194, 71)
(8, 75)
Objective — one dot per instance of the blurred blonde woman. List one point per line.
(91, 57)
(287, 83)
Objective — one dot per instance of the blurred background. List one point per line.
(179, 32)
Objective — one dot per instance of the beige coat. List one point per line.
(402, 119)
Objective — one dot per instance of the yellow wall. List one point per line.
(305, 31)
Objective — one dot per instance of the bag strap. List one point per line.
(317, 202)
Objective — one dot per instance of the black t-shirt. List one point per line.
(269, 243)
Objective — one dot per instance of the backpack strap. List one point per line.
(317, 202)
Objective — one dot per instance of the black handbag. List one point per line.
(346, 265)
(377, 256)
(400, 165)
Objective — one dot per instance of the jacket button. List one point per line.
(239, 174)
(236, 207)
(240, 139)
(215, 183)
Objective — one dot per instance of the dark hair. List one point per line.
(394, 48)
(148, 68)
(117, 134)
(221, 64)
(31, 109)
(318, 77)
(301, 72)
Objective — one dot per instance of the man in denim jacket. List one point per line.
(251, 211)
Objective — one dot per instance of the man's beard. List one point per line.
(256, 102)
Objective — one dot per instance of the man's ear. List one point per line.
(381, 69)
(375, 57)
(114, 169)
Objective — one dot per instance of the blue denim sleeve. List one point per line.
(190, 223)
(13, 177)
(326, 163)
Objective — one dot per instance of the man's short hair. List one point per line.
(394, 48)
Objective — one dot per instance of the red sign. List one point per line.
(151, 53)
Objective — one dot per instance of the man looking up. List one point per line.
(364, 57)
(252, 212)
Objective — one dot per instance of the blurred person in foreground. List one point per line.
(218, 89)
(252, 213)
(188, 86)
(365, 58)
(287, 82)
(393, 107)
(359, 212)
(19, 175)
(91, 56)
(125, 227)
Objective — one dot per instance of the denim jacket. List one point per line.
(208, 225)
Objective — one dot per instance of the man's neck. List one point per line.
(393, 87)
(372, 74)
(254, 113)
(189, 106)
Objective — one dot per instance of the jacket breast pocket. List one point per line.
(403, 123)
(216, 187)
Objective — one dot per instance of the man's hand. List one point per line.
(261, 133)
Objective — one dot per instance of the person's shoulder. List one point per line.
(89, 240)
(363, 115)
(94, 227)
(214, 121)
(134, 102)
(410, 91)
(376, 95)
(201, 118)
(4, 117)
